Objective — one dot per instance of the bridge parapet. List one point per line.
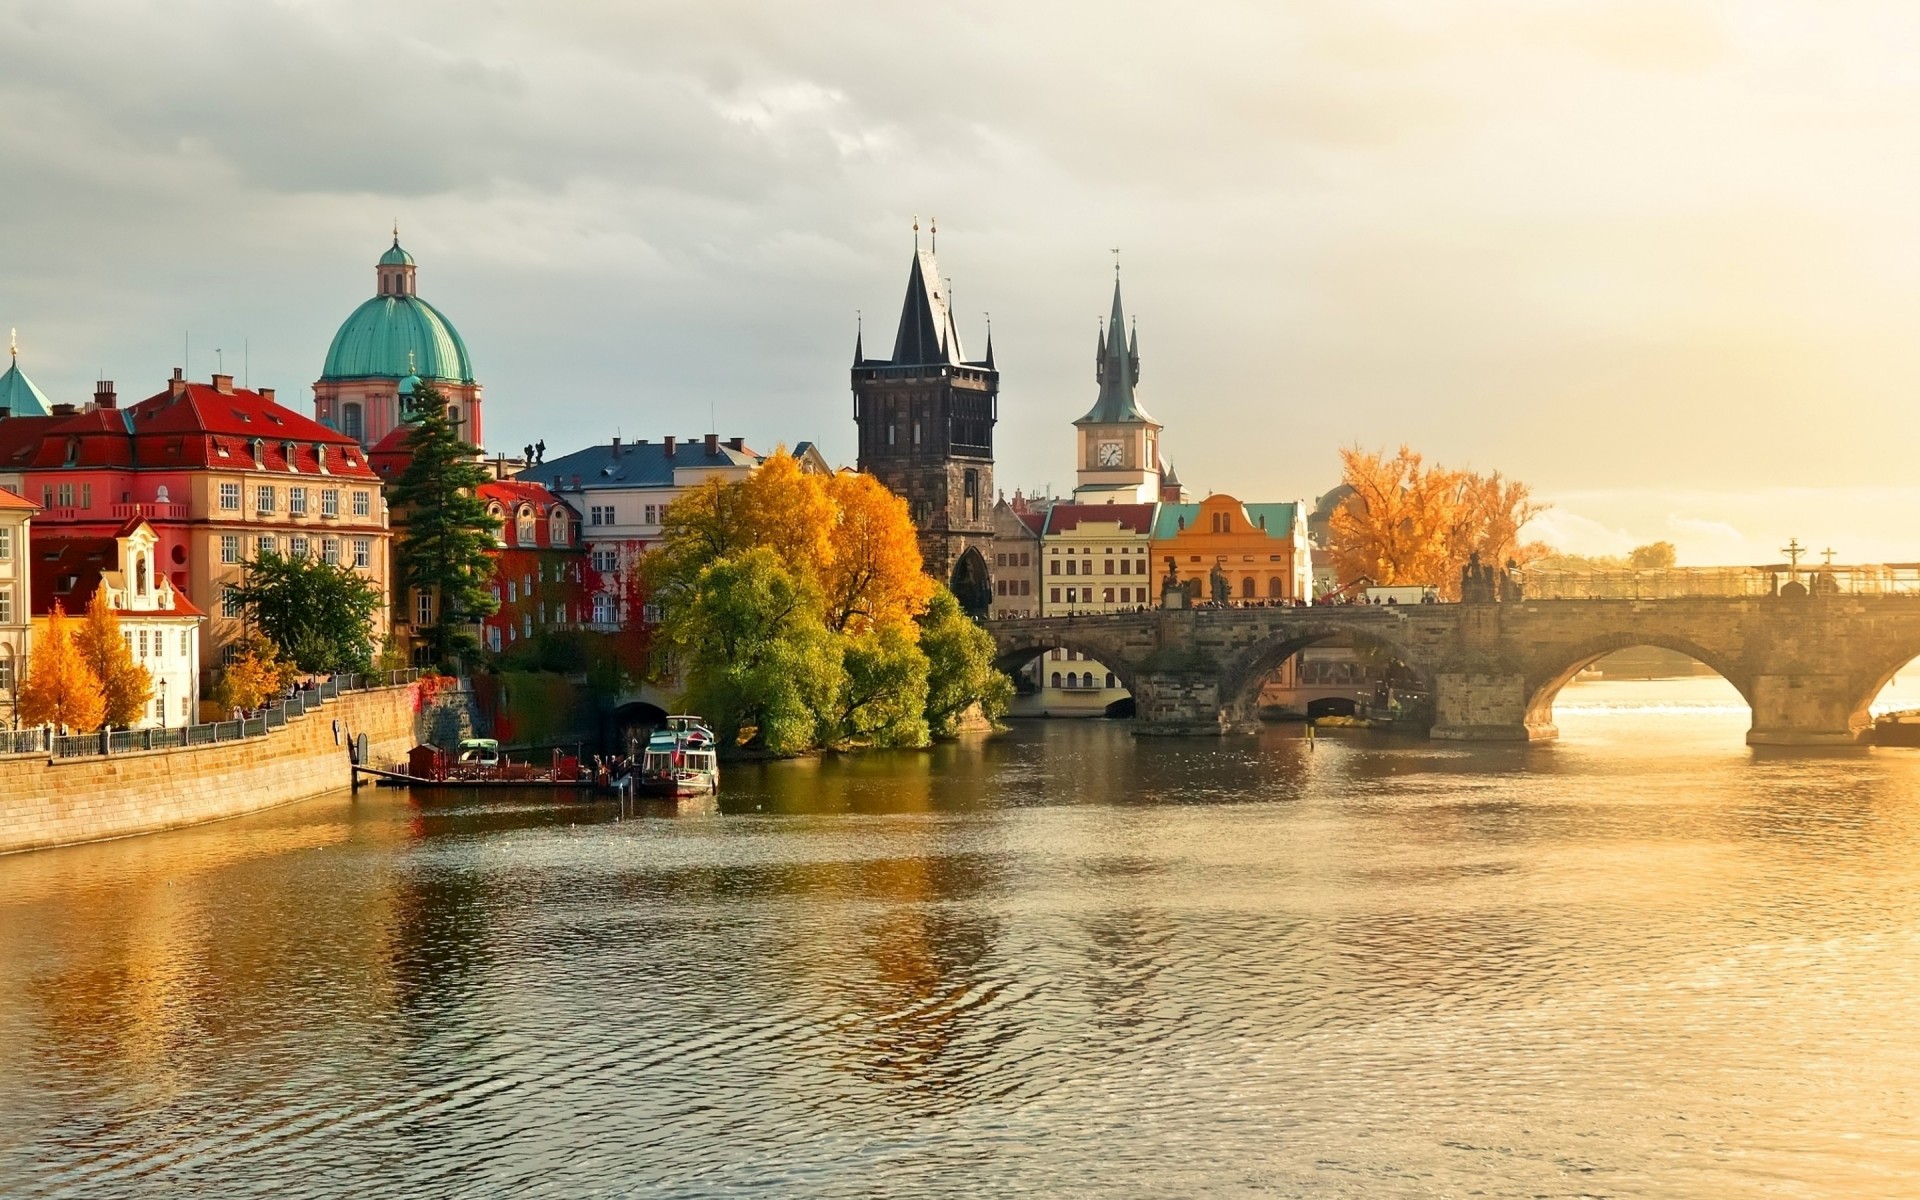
(1808, 666)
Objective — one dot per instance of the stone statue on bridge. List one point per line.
(1217, 584)
(1173, 590)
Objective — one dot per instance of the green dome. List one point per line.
(396, 257)
(18, 395)
(393, 337)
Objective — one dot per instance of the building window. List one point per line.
(330, 551)
(650, 515)
(1274, 588)
(525, 532)
(1108, 563)
(329, 502)
(350, 421)
(606, 561)
(513, 591)
(6, 670)
(6, 604)
(970, 492)
(230, 497)
(263, 500)
(423, 607)
(1110, 680)
(526, 627)
(1073, 595)
(1026, 587)
(363, 553)
(183, 643)
(1073, 566)
(557, 527)
(1246, 588)
(602, 610)
(6, 544)
(86, 495)
(143, 643)
(229, 547)
(1054, 596)
(263, 546)
(66, 495)
(362, 504)
(1056, 679)
(297, 501)
(230, 601)
(1106, 596)
(298, 547)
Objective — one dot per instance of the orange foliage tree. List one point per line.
(60, 688)
(873, 579)
(1405, 522)
(126, 684)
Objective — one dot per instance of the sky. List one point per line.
(1658, 258)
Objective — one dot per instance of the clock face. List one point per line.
(1109, 454)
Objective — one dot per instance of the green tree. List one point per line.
(960, 670)
(1653, 556)
(449, 540)
(885, 700)
(318, 614)
(760, 659)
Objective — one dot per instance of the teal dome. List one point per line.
(18, 395)
(396, 257)
(393, 337)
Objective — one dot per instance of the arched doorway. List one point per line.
(972, 584)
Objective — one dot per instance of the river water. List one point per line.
(1645, 961)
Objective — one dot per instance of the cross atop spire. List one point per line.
(13, 344)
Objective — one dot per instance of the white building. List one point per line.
(160, 625)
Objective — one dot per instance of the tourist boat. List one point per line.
(1897, 729)
(479, 752)
(681, 760)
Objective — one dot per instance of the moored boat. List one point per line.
(680, 760)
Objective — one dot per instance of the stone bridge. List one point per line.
(1808, 666)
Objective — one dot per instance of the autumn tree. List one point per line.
(1405, 522)
(1653, 556)
(255, 675)
(779, 506)
(449, 537)
(124, 683)
(873, 578)
(60, 688)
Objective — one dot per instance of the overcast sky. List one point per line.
(1659, 258)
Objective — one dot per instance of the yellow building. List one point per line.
(1261, 549)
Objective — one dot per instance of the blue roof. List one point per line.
(1176, 517)
(633, 464)
(18, 395)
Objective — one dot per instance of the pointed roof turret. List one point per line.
(17, 393)
(859, 332)
(927, 334)
(988, 360)
(1117, 371)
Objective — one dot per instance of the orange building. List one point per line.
(1261, 548)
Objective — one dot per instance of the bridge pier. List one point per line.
(1492, 707)
(1182, 704)
(1805, 710)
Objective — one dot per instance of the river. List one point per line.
(1645, 961)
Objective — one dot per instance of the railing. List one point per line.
(296, 703)
(1681, 583)
(151, 512)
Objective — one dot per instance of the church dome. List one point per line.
(394, 337)
(397, 334)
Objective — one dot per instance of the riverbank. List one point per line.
(48, 801)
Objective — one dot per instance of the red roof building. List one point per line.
(543, 577)
(219, 473)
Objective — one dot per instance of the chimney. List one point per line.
(713, 444)
(667, 442)
(267, 395)
(576, 483)
(177, 386)
(63, 410)
(223, 384)
(738, 443)
(103, 396)
(616, 445)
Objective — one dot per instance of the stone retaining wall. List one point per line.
(72, 800)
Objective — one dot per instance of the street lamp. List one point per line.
(163, 703)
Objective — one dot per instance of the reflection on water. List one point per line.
(1645, 960)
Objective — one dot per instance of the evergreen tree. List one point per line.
(124, 683)
(60, 688)
(449, 539)
(319, 614)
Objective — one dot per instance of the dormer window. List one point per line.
(259, 449)
(289, 452)
(524, 529)
(73, 450)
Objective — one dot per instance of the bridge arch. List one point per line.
(1870, 682)
(1012, 656)
(1544, 682)
(1243, 678)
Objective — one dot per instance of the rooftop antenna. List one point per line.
(713, 422)
(916, 233)
(219, 360)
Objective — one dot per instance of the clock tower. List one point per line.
(1119, 452)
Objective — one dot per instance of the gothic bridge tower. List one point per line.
(926, 417)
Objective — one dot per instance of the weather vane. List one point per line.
(1115, 251)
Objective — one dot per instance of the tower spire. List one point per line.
(859, 332)
(13, 344)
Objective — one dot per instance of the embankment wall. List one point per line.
(58, 803)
